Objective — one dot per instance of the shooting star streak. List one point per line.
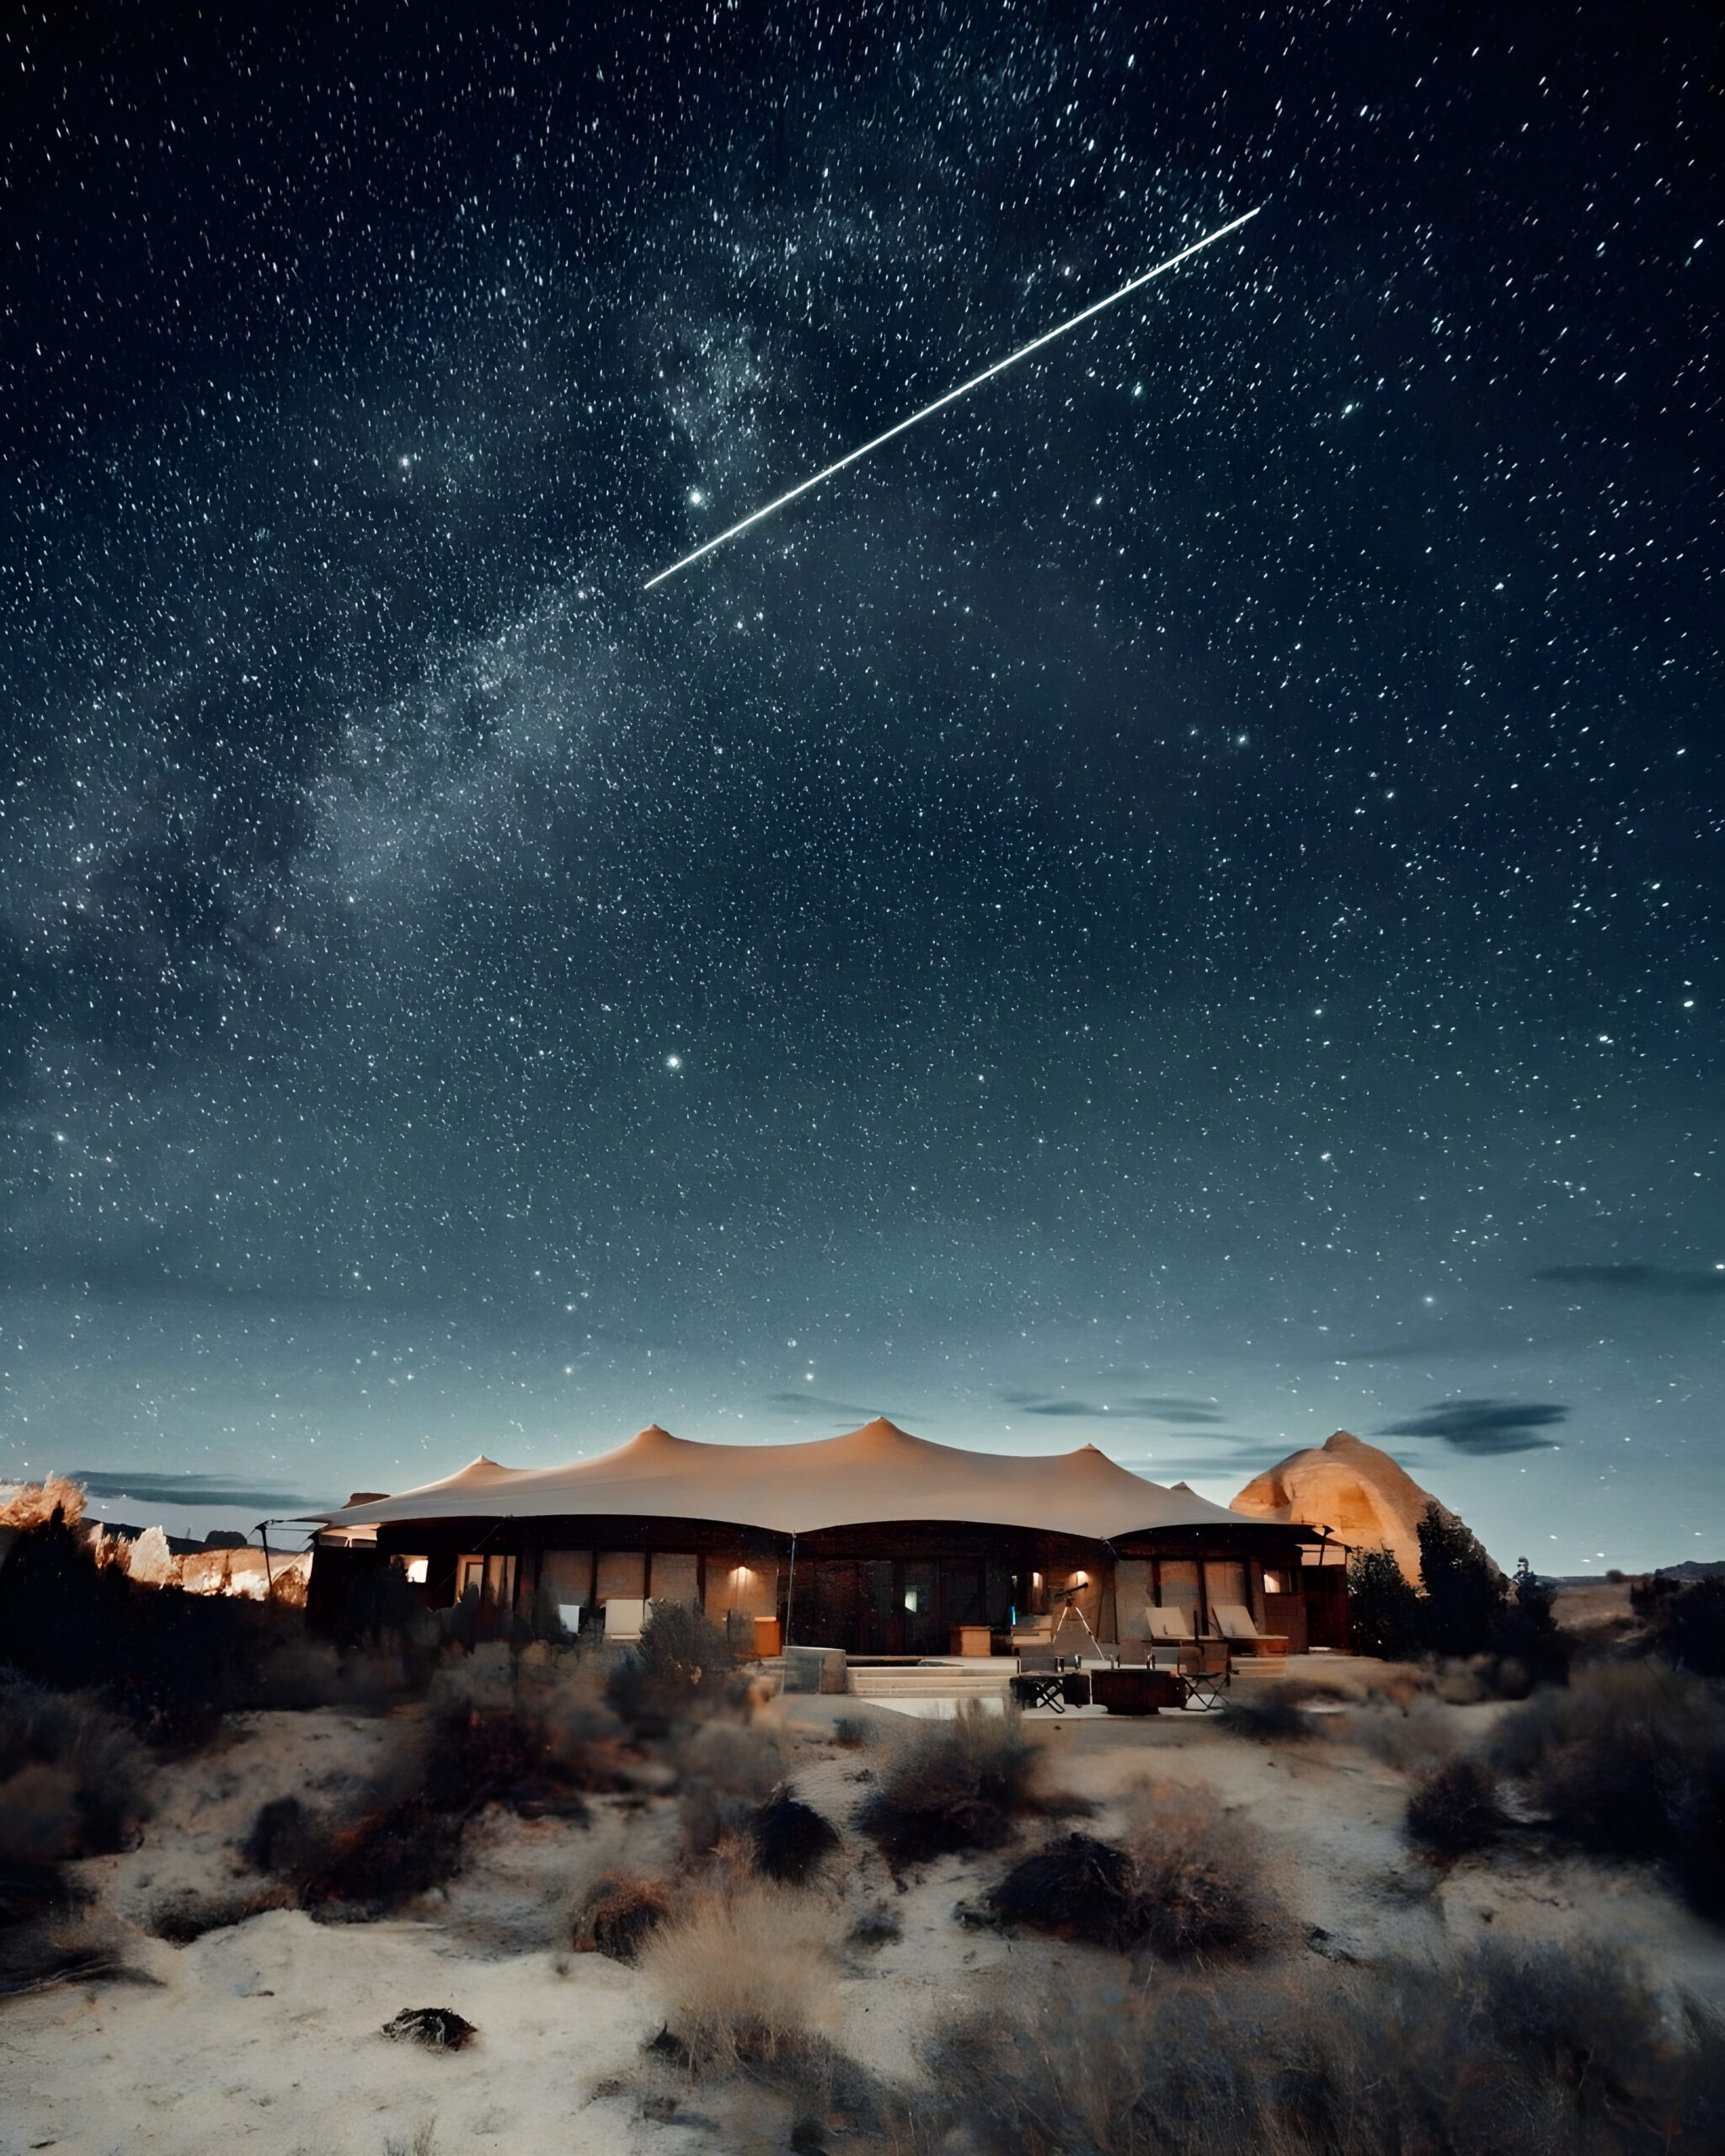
(952, 396)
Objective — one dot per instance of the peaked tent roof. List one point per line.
(878, 1473)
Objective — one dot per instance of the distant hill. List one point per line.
(1690, 1570)
(1355, 1490)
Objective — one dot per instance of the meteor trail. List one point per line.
(952, 396)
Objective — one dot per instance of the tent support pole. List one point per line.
(791, 1590)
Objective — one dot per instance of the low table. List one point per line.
(1134, 1691)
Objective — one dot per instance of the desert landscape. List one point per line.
(262, 1891)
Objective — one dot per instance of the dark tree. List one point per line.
(1465, 1591)
(1383, 1609)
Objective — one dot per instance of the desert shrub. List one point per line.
(725, 1772)
(516, 1756)
(377, 1858)
(282, 1836)
(745, 1977)
(70, 1786)
(172, 1663)
(789, 1840)
(1685, 1621)
(1454, 1807)
(1561, 2053)
(1383, 1610)
(490, 1738)
(878, 1926)
(617, 1913)
(1418, 1736)
(1077, 1887)
(1272, 1713)
(953, 1784)
(182, 1917)
(1629, 1761)
(58, 1945)
(680, 1670)
(71, 1776)
(1184, 1878)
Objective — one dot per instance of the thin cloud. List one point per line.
(195, 1490)
(791, 1402)
(1140, 1408)
(1682, 1283)
(1486, 1428)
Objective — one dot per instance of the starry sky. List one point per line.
(1176, 907)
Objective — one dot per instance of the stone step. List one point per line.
(940, 1682)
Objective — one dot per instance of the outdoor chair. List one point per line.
(1131, 1654)
(1040, 1682)
(1205, 1672)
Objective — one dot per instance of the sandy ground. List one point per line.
(265, 2035)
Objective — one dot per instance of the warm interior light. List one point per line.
(1036, 1579)
(418, 1568)
(1081, 1579)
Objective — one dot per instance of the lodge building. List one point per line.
(877, 1542)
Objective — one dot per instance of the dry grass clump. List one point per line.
(958, 1785)
(1629, 1761)
(1410, 1739)
(1200, 1879)
(746, 1977)
(1490, 2054)
(617, 1914)
(1454, 1807)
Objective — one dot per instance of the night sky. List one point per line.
(1176, 907)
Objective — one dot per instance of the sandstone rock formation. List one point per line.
(1359, 1493)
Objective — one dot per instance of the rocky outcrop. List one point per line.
(1365, 1498)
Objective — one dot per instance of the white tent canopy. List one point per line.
(879, 1473)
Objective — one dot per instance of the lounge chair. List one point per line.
(1171, 1628)
(1234, 1621)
